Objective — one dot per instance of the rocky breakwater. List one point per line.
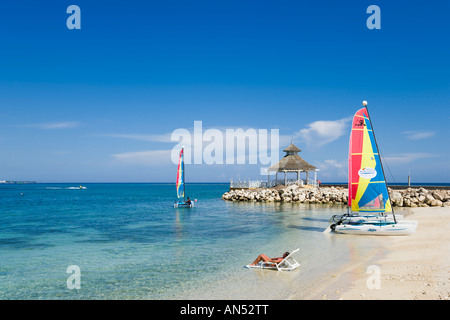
(421, 197)
(289, 194)
(410, 197)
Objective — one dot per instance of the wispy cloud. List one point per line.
(333, 169)
(404, 158)
(142, 137)
(146, 158)
(319, 133)
(52, 125)
(212, 145)
(417, 135)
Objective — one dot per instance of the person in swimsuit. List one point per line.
(263, 257)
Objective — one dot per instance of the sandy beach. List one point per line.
(415, 267)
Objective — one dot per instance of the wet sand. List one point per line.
(415, 267)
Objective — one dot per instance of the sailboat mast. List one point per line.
(184, 181)
(381, 162)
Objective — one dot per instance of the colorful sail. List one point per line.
(180, 175)
(366, 183)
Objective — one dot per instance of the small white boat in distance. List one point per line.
(77, 188)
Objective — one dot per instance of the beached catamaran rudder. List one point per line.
(180, 184)
(369, 207)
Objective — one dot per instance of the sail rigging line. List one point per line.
(387, 165)
(381, 162)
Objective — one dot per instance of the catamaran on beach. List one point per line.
(369, 206)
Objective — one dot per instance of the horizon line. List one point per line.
(196, 182)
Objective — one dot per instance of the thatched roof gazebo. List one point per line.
(292, 162)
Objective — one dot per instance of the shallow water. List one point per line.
(130, 243)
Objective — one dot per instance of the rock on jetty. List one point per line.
(410, 197)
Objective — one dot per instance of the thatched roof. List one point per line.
(292, 162)
(292, 148)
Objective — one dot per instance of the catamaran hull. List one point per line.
(398, 229)
(375, 220)
(357, 217)
(183, 205)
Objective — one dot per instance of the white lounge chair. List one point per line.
(287, 264)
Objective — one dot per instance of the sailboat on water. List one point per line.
(369, 205)
(180, 184)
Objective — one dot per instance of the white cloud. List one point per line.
(404, 158)
(143, 137)
(319, 133)
(211, 146)
(417, 135)
(145, 158)
(332, 169)
(53, 125)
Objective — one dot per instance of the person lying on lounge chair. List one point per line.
(266, 259)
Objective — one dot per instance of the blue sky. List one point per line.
(99, 104)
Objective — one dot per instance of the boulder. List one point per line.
(406, 203)
(397, 199)
(436, 203)
(428, 199)
(438, 195)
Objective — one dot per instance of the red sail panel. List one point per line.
(355, 153)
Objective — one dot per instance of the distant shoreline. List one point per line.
(17, 182)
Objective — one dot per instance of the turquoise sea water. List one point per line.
(130, 243)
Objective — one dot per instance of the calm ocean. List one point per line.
(131, 243)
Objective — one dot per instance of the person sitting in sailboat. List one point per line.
(188, 201)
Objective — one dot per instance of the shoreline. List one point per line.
(414, 267)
